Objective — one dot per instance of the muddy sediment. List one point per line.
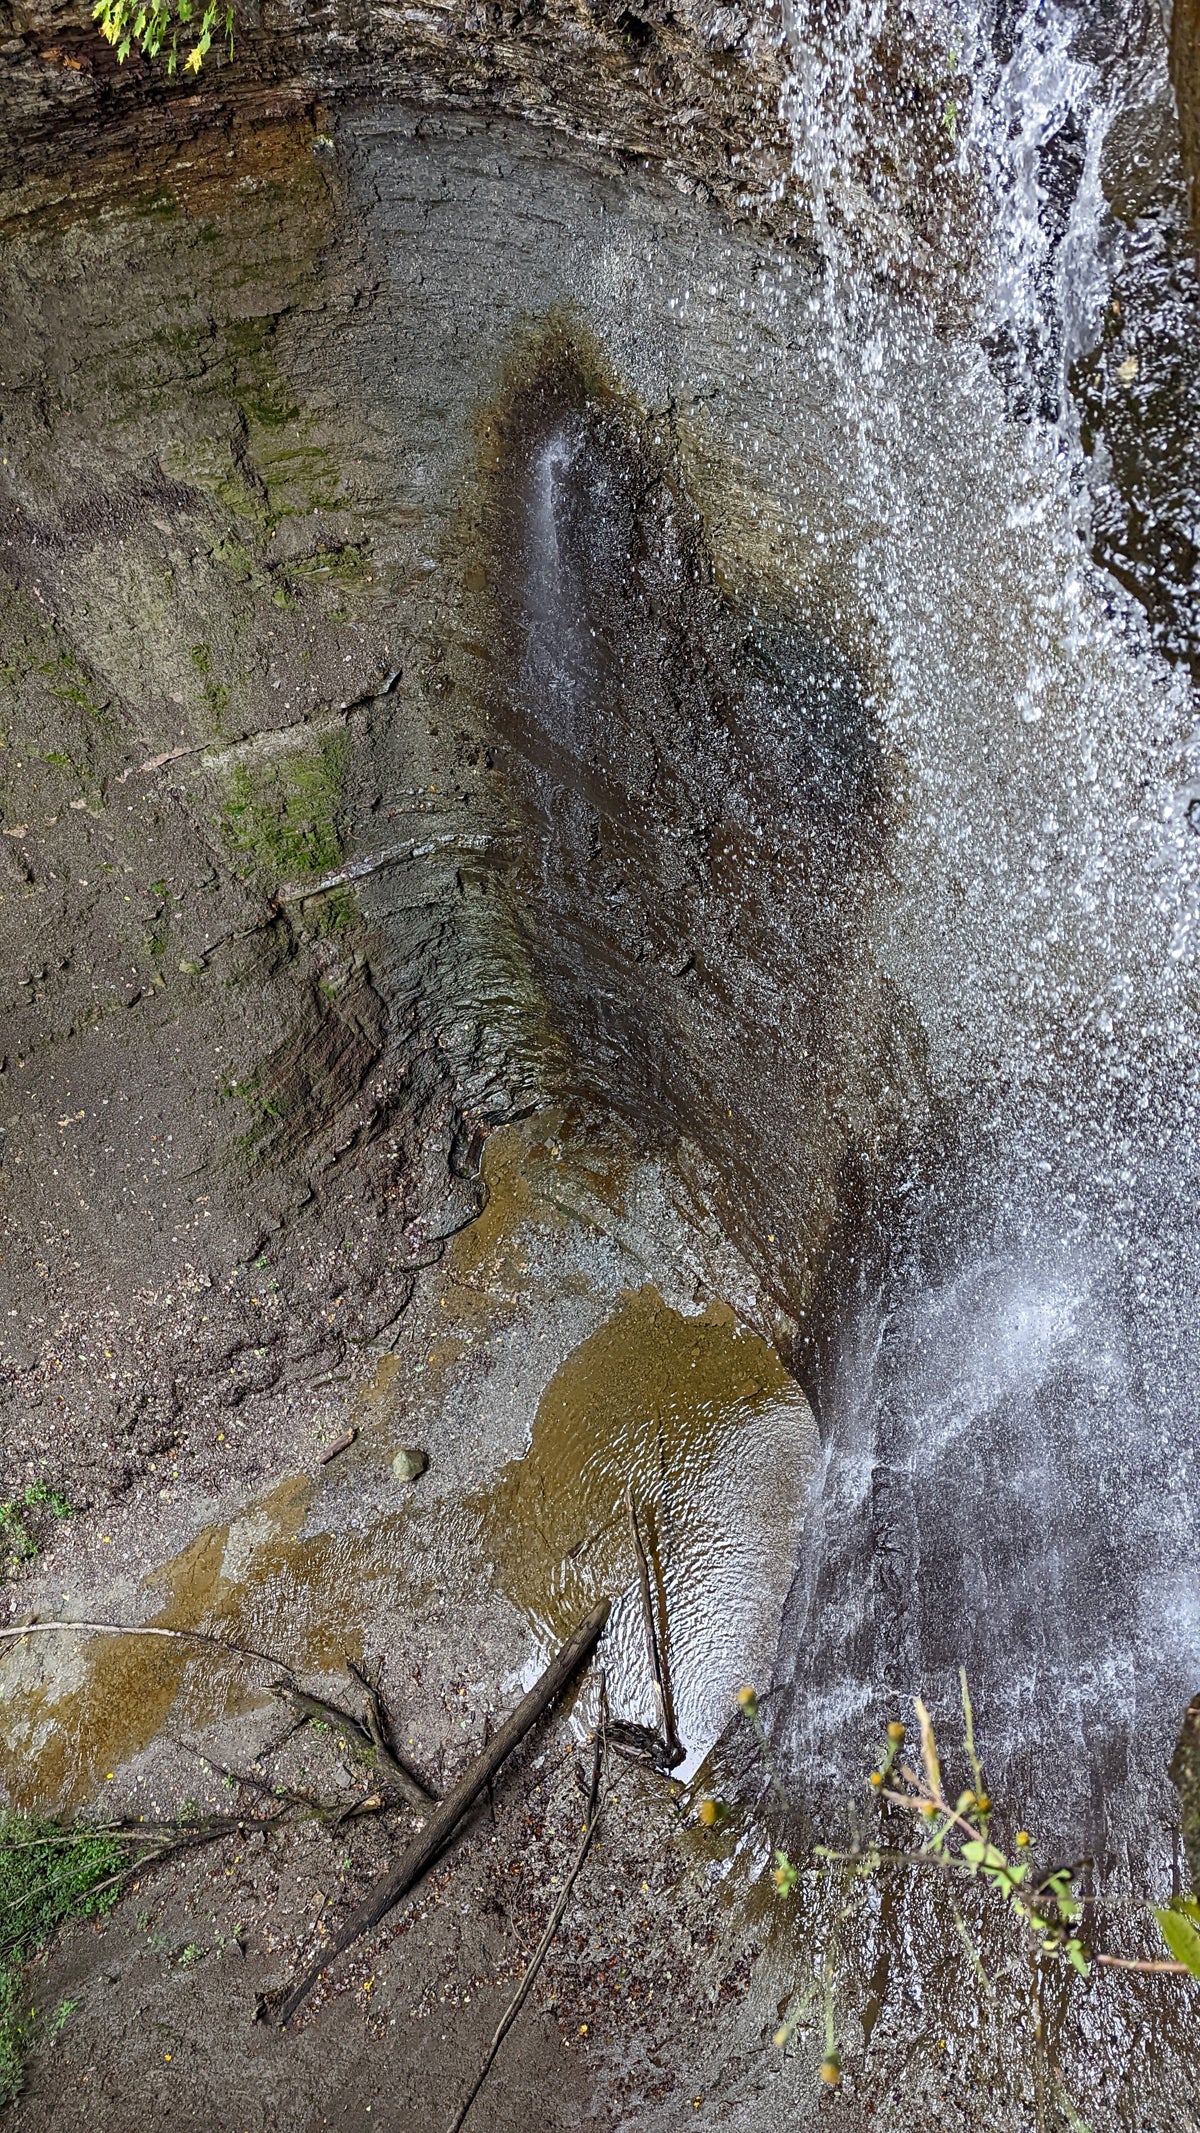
(540, 1309)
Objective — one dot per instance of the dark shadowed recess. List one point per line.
(701, 804)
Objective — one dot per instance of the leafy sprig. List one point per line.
(156, 28)
(958, 1842)
(960, 1835)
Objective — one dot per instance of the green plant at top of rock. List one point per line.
(155, 29)
(47, 1876)
(18, 1543)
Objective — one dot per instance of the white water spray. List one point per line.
(1009, 1479)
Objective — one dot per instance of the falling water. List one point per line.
(1009, 1402)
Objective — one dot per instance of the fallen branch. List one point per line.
(377, 1727)
(144, 1629)
(675, 1750)
(595, 1809)
(316, 1710)
(424, 1849)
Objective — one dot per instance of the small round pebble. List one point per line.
(410, 1464)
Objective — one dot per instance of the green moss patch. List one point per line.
(283, 818)
(48, 1875)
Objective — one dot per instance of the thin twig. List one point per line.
(146, 1629)
(595, 1809)
(368, 1806)
(222, 1829)
(243, 1777)
(85, 1833)
(1135, 1962)
(443, 1822)
(658, 1673)
(491, 1787)
(185, 1841)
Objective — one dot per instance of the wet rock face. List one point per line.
(679, 85)
(215, 1089)
(699, 775)
(1185, 73)
(491, 708)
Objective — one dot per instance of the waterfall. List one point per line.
(1009, 1392)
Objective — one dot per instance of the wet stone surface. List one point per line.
(544, 1367)
(466, 666)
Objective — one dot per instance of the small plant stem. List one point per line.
(964, 1934)
(768, 1753)
(1137, 1962)
(969, 1736)
(830, 2022)
(795, 2015)
(1041, 2057)
(902, 1799)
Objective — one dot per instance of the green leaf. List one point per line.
(978, 1852)
(1076, 1957)
(785, 1875)
(1182, 1937)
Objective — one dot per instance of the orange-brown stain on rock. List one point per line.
(257, 1580)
